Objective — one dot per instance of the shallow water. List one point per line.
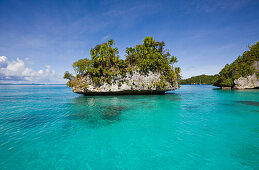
(195, 127)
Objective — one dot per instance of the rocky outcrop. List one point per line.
(132, 83)
(250, 81)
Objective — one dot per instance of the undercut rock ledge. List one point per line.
(132, 84)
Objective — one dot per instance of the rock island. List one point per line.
(148, 68)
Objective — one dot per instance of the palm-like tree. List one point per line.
(173, 60)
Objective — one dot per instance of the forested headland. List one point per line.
(244, 66)
(201, 79)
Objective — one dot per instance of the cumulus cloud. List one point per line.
(3, 61)
(17, 70)
(105, 37)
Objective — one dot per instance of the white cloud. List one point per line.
(105, 37)
(16, 70)
(3, 61)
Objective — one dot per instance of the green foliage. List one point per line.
(173, 60)
(151, 56)
(81, 66)
(69, 84)
(73, 83)
(85, 85)
(78, 76)
(161, 84)
(105, 63)
(241, 67)
(201, 79)
(177, 72)
(68, 76)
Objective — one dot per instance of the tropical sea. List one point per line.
(194, 127)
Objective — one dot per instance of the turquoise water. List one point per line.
(195, 127)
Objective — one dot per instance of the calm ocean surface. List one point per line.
(195, 127)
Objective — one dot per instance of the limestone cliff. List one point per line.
(134, 83)
(250, 81)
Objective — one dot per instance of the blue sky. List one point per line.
(41, 39)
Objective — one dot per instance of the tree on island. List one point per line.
(173, 60)
(68, 76)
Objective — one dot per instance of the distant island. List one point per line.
(201, 79)
(243, 73)
(147, 69)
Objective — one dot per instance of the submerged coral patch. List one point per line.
(112, 112)
(251, 103)
(191, 107)
(98, 116)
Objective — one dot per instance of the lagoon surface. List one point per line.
(195, 127)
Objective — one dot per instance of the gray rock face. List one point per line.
(250, 81)
(247, 82)
(134, 83)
